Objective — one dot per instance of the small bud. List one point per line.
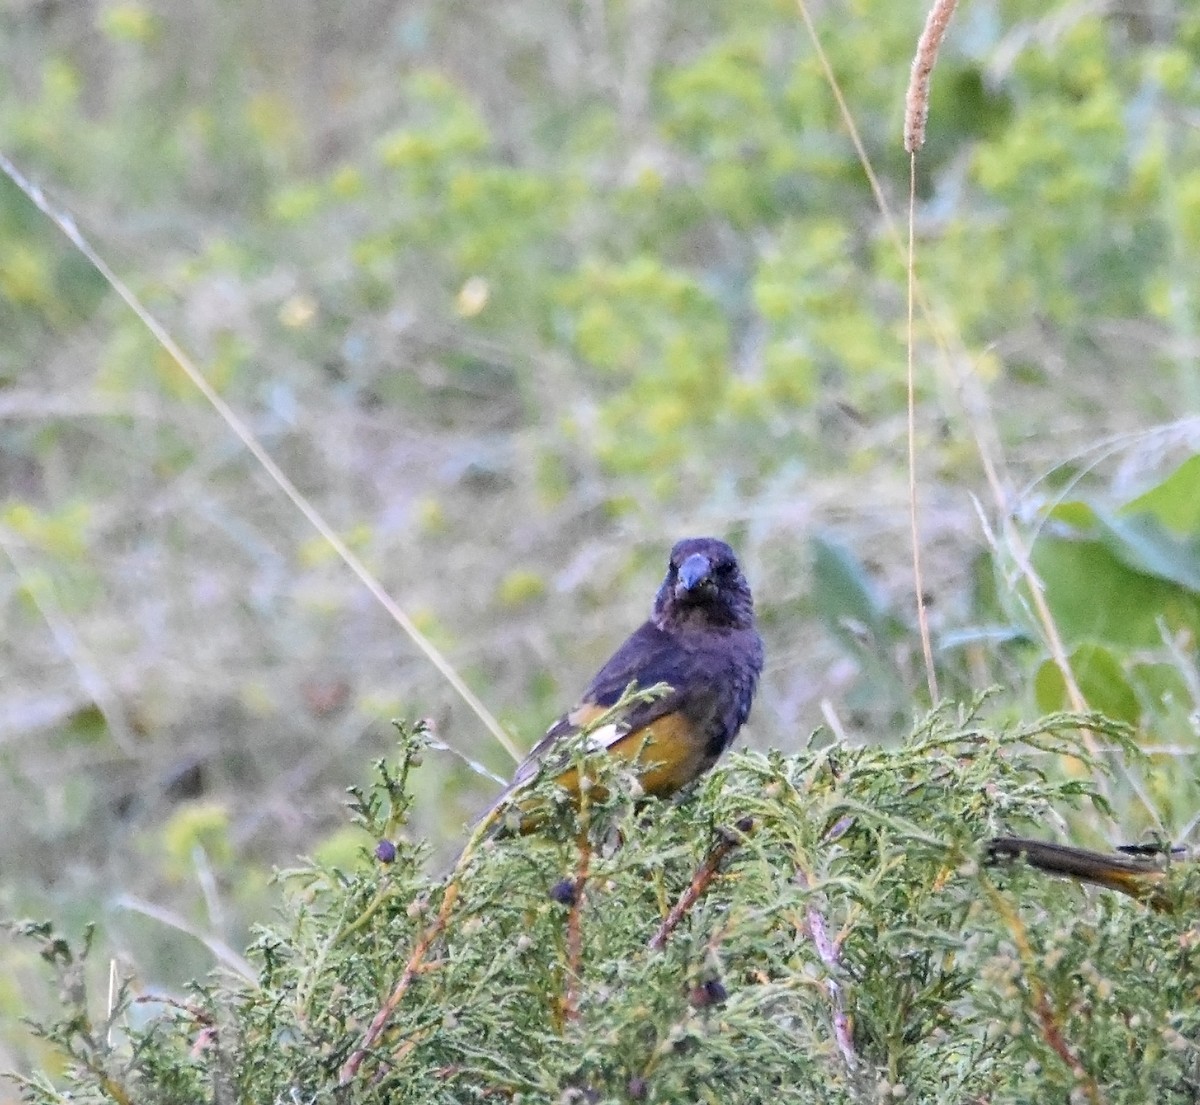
(636, 1088)
(715, 989)
(707, 994)
(385, 851)
(563, 892)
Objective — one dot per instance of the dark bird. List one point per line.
(1136, 870)
(700, 641)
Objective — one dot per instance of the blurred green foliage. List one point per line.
(518, 296)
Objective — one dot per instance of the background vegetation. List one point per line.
(518, 295)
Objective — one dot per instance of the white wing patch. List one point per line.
(605, 737)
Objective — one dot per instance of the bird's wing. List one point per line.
(648, 657)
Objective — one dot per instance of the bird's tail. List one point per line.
(1136, 871)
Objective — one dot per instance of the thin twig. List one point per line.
(199, 1015)
(416, 960)
(829, 713)
(570, 1000)
(70, 644)
(209, 1034)
(829, 952)
(570, 1006)
(411, 969)
(221, 951)
(915, 114)
(114, 991)
(701, 880)
(1051, 1030)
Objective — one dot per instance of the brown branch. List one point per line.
(199, 1015)
(1052, 1033)
(701, 880)
(416, 961)
(1051, 1030)
(570, 1005)
(829, 952)
(411, 969)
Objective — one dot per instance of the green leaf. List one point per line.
(1176, 501)
(1143, 543)
(1101, 679)
(1073, 512)
(1095, 596)
(1162, 686)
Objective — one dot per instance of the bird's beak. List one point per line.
(694, 573)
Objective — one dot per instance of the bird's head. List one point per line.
(704, 587)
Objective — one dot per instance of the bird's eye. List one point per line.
(726, 568)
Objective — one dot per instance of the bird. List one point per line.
(702, 642)
(1136, 869)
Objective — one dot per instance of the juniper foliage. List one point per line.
(840, 943)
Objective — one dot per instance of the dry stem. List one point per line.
(701, 880)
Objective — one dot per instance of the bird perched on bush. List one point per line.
(702, 644)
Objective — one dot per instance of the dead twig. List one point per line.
(570, 1005)
(411, 969)
(242, 431)
(829, 951)
(701, 880)
(1048, 1023)
(416, 960)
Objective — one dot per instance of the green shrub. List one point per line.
(850, 948)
